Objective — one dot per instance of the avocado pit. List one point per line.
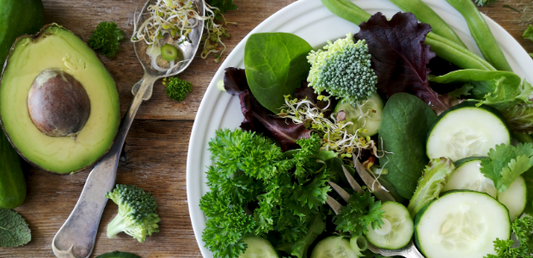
(58, 104)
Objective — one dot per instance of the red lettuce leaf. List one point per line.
(400, 57)
(259, 119)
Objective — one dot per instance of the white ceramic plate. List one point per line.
(313, 22)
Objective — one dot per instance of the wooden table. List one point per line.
(155, 152)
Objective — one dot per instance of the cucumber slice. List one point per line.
(333, 247)
(397, 230)
(515, 198)
(366, 115)
(461, 224)
(258, 247)
(169, 52)
(469, 177)
(466, 130)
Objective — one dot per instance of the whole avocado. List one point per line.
(18, 17)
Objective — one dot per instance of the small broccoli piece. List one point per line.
(483, 3)
(105, 38)
(176, 88)
(137, 215)
(343, 70)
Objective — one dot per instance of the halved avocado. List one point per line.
(63, 133)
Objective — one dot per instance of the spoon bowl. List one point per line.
(76, 238)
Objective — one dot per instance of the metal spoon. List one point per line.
(76, 238)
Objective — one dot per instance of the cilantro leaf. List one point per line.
(506, 162)
(14, 230)
(360, 214)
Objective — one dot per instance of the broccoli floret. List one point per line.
(105, 38)
(177, 89)
(342, 69)
(137, 215)
(483, 3)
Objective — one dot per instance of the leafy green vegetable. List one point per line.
(433, 180)
(404, 126)
(506, 162)
(300, 247)
(222, 5)
(176, 88)
(118, 254)
(105, 38)
(500, 89)
(14, 230)
(275, 65)
(343, 70)
(361, 214)
(528, 34)
(137, 215)
(257, 189)
(519, 117)
(522, 228)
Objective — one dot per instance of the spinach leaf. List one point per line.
(275, 65)
(405, 123)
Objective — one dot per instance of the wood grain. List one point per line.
(155, 153)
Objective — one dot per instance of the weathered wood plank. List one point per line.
(154, 159)
(155, 152)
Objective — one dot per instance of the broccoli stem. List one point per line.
(116, 226)
(444, 48)
(426, 15)
(481, 33)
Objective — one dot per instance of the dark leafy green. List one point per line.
(361, 214)
(405, 123)
(14, 230)
(500, 89)
(259, 119)
(256, 190)
(505, 248)
(300, 247)
(275, 65)
(400, 56)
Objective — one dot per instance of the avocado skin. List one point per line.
(12, 182)
(18, 17)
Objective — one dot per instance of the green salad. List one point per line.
(442, 132)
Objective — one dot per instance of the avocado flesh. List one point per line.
(58, 48)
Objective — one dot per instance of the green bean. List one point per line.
(481, 33)
(347, 10)
(426, 15)
(476, 75)
(455, 54)
(444, 48)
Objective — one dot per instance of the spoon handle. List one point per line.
(76, 238)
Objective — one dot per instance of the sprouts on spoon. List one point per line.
(170, 22)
